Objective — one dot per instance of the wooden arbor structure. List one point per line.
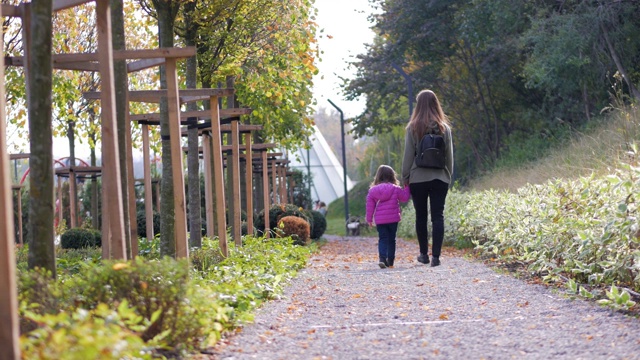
(113, 221)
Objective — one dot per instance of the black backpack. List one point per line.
(431, 152)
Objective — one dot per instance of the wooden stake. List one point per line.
(235, 157)
(208, 184)
(148, 189)
(249, 182)
(73, 215)
(9, 329)
(265, 194)
(111, 186)
(182, 247)
(218, 172)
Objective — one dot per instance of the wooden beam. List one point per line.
(81, 66)
(180, 207)
(111, 186)
(61, 171)
(89, 61)
(200, 114)
(66, 4)
(218, 170)
(154, 96)
(18, 156)
(9, 322)
(143, 64)
(11, 10)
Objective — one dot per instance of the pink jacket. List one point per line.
(384, 199)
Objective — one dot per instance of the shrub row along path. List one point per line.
(343, 306)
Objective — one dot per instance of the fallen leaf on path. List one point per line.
(444, 317)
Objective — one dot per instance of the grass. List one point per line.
(595, 151)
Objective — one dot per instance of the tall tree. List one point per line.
(166, 11)
(39, 60)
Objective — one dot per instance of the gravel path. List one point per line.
(343, 306)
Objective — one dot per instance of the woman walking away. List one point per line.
(427, 167)
(383, 209)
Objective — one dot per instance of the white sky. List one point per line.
(346, 22)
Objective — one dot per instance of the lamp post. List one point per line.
(344, 167)
(407, 78)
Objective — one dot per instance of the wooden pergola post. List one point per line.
(265, 194)
(111, 187)
(18, 189)
(218, 171)
(208, 183)
(9, 328)
(249, 181)
(235, 176)
(182, 247)
(148, 189)
(73, 214)
(274, 181)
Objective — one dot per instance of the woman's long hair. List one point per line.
(427, 113)
(385, 174)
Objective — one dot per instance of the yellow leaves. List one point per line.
(443, 317)
(356, 296)
(119, 266)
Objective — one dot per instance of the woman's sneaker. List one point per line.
(423, 258)
(383, 263)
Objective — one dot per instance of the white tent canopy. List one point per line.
(326, 171)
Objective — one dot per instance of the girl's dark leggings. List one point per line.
(425, 195)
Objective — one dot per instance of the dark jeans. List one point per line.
(387, 240)
(424, 195)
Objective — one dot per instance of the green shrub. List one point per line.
(319, 224)
(585, 229)
(149, 248)
(101, 333)
(297, 228)
(79, 238)
(148, 286)
(164, 305)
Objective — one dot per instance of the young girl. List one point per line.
(383, 209)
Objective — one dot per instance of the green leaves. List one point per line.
(617, 299)
(586, 229)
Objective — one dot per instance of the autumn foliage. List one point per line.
(296, 227)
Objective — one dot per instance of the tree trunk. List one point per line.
(166, 18)
(39, 85)
(193, 156)
(124, 131)
(616, 59)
